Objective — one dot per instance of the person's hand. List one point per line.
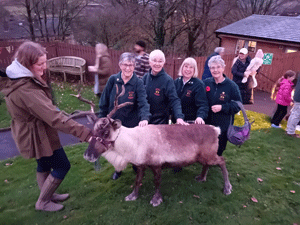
(292, 103)
(92, 68)
(199, 120)
(143, 123)
(181, 122)
(216, 108)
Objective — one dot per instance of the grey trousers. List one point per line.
(293, 119)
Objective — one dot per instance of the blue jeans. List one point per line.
(58, 163)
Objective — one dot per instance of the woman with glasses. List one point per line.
(133, 115)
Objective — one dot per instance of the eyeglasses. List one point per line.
(127, 65)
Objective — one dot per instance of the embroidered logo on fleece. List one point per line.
(157, 92)
(222, 96)
(207, 88)
(130, 94)
(188, 93)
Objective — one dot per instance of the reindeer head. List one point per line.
(105, 132)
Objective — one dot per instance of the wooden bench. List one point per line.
(68, 65)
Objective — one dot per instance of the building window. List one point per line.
(291, 50)
(250, 45)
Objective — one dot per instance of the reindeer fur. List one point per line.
(156, 146)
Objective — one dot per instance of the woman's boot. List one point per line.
(44, 202)
(41, 177)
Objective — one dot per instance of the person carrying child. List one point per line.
(283, 96)
(251, 70)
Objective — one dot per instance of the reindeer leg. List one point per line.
(157, 198)
(227, 186)
(138, 182)
(202, 176)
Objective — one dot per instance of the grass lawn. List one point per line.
(269, 155)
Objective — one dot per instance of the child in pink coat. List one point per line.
(285, 87)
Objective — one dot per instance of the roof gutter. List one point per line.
(269, 40)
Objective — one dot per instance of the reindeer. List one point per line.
(156, 147)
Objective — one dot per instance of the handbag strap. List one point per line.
(243, 111)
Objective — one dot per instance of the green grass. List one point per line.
(63, 100)
(96, 199)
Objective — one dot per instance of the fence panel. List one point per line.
(266, 77)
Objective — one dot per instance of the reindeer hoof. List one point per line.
(200, 179)
(156, 200)
(131, 197)
(227, 189)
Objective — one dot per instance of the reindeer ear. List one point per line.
(116, 124)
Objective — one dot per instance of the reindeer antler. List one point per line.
(117, 106)
(85, 100)
(78, 113)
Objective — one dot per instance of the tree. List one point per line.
(202, 18)
(28, 5)
(245, 8)
(61, 13)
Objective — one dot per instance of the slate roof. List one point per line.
(278, 28)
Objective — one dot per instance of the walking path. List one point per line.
(262, 104)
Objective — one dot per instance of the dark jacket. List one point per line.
(162, 96)
(238, 70)
(129, 115)
(206, 72)
(193, 98)
(222, 94)
(297, 91)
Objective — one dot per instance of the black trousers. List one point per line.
(246, 93)
(222, 142)
(279, 114)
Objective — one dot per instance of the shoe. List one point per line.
(44, 202)
(41, 177)
(275, 126)
(298, 127)
(294, 135)
(116, 175)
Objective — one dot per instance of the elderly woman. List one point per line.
(191, 92)
(36, 121)
(220, 92)
(161, 92)
(133, 115)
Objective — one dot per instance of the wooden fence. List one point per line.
(266, 78)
